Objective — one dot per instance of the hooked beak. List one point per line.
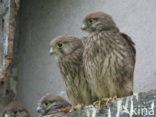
(83, 27)
(51, 51)
(38, 109)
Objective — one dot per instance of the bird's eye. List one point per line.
(91, 21)
(59, 45)
(46, 104)
(15, 112)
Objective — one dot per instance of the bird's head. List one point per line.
(48, 103)
(98, 21)
(64, 45)
(45, 104)
(14, 109)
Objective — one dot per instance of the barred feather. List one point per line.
(72, 70)
(109, 58)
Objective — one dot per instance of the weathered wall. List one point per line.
(8, 68)
(41, 20)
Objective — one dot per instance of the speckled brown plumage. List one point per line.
(50, 104)
(69, 60)
(15, 109)
(109, 57)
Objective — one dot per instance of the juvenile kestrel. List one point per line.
(109, 57)
(68, 51)
(15, 109)
(51, 104)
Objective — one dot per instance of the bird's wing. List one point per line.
(129, 41)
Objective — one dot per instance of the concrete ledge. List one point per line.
(140, 104)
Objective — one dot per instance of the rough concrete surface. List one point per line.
(138, 105)
(42, 20)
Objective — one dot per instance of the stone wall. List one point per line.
(8, 70)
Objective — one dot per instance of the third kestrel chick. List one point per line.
(51, 104)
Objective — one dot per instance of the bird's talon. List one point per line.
(99, 103)
(107, 100)
(94, 103)
(104, 99)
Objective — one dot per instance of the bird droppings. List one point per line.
(90, 111)
(119, 108)
(125, 110)
(109, 112)
(127, 100)
(131, 107)
(94, 112)
(136, 95)
(152, 105)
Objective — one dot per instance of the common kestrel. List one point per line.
(15, 109)
(51, 104)
(109, 57)
(68, 52)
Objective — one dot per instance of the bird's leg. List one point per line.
(65, 110)
(107, 100)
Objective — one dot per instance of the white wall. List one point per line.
(42, 20)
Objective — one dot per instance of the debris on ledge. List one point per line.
(140, 104)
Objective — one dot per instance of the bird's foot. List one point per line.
(65, 110)
(107, 100)
(99, 103)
